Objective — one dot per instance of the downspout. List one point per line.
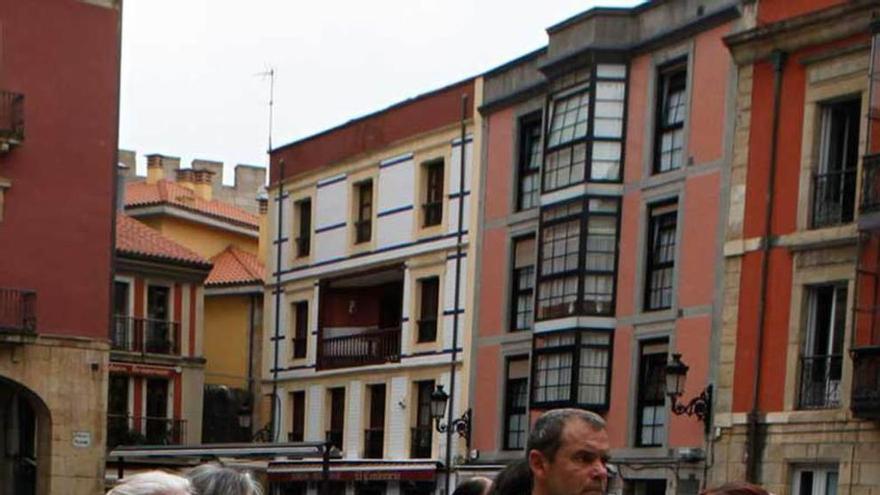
(754, 446)
(276, 339)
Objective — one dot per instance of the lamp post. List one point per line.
(700, 406)
(461, 425)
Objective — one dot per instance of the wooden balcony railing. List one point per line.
(369, 347)
(145, 335)
(11, 118)
(18, 310)
(143, 430)
(865, 401)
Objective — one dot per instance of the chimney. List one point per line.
(122, 171)
(204, 184)
(161, 167)
(186, 178)
(213, 166)
(127, 163)
(263, 242)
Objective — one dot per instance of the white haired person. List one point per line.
(211, 479)
(153, 483)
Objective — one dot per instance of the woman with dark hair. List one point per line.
(515, 479)
(735, 488)
(474, 486)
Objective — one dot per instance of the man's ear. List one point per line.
(537, 464)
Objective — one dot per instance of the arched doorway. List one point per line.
(24, 440)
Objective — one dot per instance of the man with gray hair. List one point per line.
(152, 483)
(568, 452)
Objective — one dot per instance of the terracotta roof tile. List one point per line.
(235, 266)
(167, 192)
(133, 237)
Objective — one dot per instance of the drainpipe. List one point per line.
(754, 444)
(276, 340)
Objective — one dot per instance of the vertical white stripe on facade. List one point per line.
(396, 191)
(449, 301)
(353, 423)
(286, 206)
(315, 416)
(331, 244)
(452, 224)
(407, 325)
(398, 418)
(331, 210)
(455, 166)
(312, 349)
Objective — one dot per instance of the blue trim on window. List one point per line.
(395, 160)
(330, 227)
(392, 211)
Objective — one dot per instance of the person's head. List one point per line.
(735, 488)
(152, 483)
(474, 486)
(514, 479)
(567, 451)
(210, 479)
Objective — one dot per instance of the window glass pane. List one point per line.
(611, 71)
(569, 118)
(607, 127)
(553, 377)
(557, 297)
(613, 91)
(559, 247)
(565, 166)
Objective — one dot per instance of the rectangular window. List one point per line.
(117, 411)
(422, 432)
(529, 161)
(516, 403)
(304, 233)
(651, 428)
(834, 185)
(429, 290)
(523, 283)
(822, 358)
(363, 225)
(815, 481)
(578, 258)
(433, 205)
(301, 329)
(337, 416)
(298, 416)
(374, 437)
(671, 107)
(662, 225)
(572, 368)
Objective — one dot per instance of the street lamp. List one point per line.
(461, 425)
(700, 406)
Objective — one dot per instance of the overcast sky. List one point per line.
(189, 67)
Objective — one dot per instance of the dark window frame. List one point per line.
(656, 223)
(428, 320)
(530, 151)
(588, 86)
(574, 349)
(300, 329)
(833, 187)
(432, 207)
(510, 406)
(647, 373)
(363, 224)
(337, 415)
(423, 421)
(671, 78)
(304, 230)
(516, 291)
(580, 272)
(376, 422)
(297, 416)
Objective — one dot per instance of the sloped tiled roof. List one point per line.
(235, 266)
(167, 192)
(135, 238)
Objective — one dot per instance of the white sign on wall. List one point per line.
(82, 439)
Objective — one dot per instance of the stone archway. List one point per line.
(25, 440)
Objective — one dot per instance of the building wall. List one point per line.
(204, 240)
(227, 324)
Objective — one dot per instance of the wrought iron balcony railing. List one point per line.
(334, 437)
(11, 118)
(820, 381)
(870, 200)
(834, 198)
(374, 442)
(18, 310)
(143, 430)
(420, 442)
(145, 335)
(369, 347)
(865, 401)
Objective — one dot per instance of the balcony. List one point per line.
(420, 442)
(866, 382)
(143, 430)
(374, 441)
(145, 335)
(11, 119)
(334, 437)
(820, 382)
(18, 310)
(834, 197)
(362, 349)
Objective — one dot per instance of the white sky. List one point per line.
(189, 83)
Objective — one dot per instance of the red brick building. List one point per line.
(59, 94)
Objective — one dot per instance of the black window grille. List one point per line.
(660, 266)
(428, 309)
(671, 109)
